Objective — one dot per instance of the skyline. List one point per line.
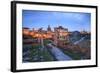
(41, 19)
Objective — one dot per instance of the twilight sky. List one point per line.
(71, 20)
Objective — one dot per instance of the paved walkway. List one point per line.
(79, 41)
(59, 55)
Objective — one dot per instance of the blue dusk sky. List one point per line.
(74, 21)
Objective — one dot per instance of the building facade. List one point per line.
(61, 35)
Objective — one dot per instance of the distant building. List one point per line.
(76, 33)
(84, 32)
(75, 36)
(49, 28)
(26, 31)
(49, 33)
(31, 32)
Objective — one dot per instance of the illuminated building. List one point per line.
(26, 31)
(59, 36)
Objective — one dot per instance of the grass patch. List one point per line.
(47, 56)
(74, 56)
(46, 42)
(36, 52)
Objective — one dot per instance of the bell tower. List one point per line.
(49, 28)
